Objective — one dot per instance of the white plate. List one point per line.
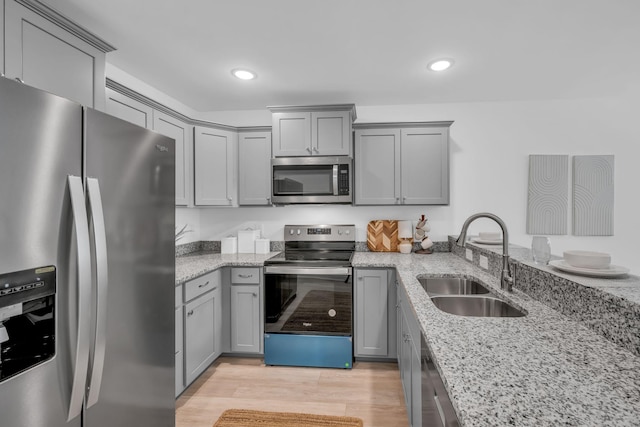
(486, 242)
(611, 271)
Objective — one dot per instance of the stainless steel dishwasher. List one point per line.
(437, 409)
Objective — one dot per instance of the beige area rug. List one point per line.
(247, 418)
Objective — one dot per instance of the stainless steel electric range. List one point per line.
(309, 298)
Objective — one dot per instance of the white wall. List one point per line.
(490, 144)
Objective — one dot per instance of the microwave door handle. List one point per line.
(335, 180)
(83, 270)
(102, 283)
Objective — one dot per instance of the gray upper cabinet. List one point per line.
(181, 133)
(214, 162)
(125, 108)
(47, 51)
(323, 130)
(403, 164)
(377, 166)
(254, 164)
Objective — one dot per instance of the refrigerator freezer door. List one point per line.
(40, 145)
(135, 170)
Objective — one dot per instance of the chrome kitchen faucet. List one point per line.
(507, 279)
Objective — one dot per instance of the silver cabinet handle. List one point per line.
(18, 79)
(360, 278)
(80, 357)
(309, 150)
(397, 200)
(214, 288)
(204, 284)
(245, 276)
(255, 294)
(316, 149)
(102, 284)
(268, 199)
(189, 313)
(404, 200)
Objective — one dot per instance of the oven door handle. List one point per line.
(306, 271)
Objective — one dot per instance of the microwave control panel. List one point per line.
(343, 180)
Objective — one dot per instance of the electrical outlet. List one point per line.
(484, 262)
(469, 254)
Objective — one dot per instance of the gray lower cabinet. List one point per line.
(202, 324)
(375, 313)
(215, 166)
(49, 52)
(246, 310)
(254, 168)
(409, 360)
(179, 333)
(402, 164)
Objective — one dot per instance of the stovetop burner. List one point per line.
(316, 245)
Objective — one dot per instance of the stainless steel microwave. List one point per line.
(298, 180)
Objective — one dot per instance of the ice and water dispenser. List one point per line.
(27, 319)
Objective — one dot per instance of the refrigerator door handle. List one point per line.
(102, 284)
(83, 336)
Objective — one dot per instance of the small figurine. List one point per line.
(422, 228)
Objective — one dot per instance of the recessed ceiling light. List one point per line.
(440, 64)
(243, 74)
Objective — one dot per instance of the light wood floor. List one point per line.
(371, 391)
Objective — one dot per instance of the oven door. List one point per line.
(313, 301)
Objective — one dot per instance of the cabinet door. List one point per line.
(128, 109)
(416, 385)
(291, 134)
(180, 132)
(199, 335)
(331, 133)
(179, 352)
(254, 168)
(404, 362)
(214, 161)
(425, 166)
(371, 313)
(245, 318)
(377, 171)
(48, 57)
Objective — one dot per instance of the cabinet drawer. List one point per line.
(245, 275)
(178, 296)
(202, 284)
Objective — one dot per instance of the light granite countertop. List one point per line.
(543, 369)
(198, 263)
(539, 370)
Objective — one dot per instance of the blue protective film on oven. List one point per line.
(308, 350)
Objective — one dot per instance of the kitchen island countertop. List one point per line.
(543, 369)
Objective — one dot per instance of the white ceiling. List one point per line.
(368, 52)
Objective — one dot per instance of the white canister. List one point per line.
(246, 241)
(263, 246)
(229, 245)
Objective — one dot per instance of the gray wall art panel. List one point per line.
(548, 200)
(593, 195)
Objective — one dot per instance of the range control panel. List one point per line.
(320, 233)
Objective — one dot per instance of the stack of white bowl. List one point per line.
(587, 259)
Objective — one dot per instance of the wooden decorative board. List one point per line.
(382, 235)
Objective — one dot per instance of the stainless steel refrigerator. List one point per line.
(86, 266)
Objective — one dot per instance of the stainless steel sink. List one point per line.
(451, 286)
(479, 306)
